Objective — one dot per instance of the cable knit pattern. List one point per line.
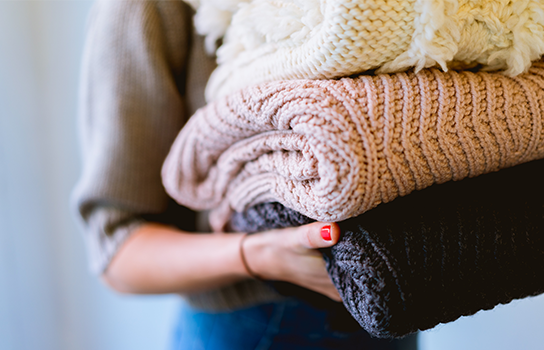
(335, 149)
(444, 252)
(270, 40)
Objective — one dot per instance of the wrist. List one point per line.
(233, 247)
(243, 258)
(260, 256)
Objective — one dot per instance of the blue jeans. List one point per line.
(286, 325)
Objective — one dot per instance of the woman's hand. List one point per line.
(291, 255)
(161, 259)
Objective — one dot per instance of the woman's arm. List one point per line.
(132, 106)
(162, 259)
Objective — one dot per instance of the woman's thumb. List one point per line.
(318, 235)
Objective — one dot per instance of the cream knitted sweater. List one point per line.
(333, 149)
(267, 40)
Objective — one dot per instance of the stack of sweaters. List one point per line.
(292, 149)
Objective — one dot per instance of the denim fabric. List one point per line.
(286, 325)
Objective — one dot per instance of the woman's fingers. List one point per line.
(292, 255)
(317, 235)
(320, 282)
(307, 239)
(330, 292)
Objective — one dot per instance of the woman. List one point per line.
(143, 74)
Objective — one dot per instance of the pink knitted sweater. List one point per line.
(333, 149)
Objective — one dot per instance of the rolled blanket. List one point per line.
(444, 252)
(270, 40)
(333, 149)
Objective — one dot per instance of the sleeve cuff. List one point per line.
(106, 230)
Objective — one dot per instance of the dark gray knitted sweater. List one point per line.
(435, 255)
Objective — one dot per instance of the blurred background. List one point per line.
(48, 299)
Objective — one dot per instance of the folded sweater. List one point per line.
(444, 252)
(270, 40)
(333, 149)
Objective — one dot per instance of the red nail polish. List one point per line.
(326, 232)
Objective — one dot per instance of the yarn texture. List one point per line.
(269, 40)
(332, 150)
(448, 251)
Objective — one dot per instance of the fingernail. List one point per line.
(326, 232)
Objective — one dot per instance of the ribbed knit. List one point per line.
(444, 252)
(333, 149)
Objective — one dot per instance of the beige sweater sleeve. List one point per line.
(131, 108)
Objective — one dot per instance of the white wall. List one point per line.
(516, 326)
(48, 301)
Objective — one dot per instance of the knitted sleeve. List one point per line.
(131, 107)
(437, 254)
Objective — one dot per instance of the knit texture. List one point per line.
(332, 149)
(270, 40)
(128, 100)
(444, 252)
(143, 73)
